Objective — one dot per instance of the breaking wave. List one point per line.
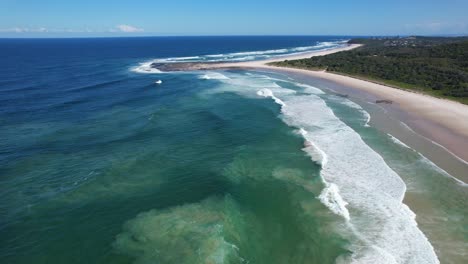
(359, 185)
(213, 76)
(145, 67)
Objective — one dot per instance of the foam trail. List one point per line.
(427, 161)
(259, 52)
(368, 119)
(398, 142)
(184, 58)
(313, 150)
(441, 171)
(331, 197)
(268, 93)
(213, 76)
(433, 142)
(352, 104)
(309, 89)
(306, 88)
(145, 67)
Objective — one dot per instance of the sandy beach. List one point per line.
(442, 121)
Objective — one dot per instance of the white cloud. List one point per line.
(120, 28)
(129, 29)
(16, 29)
(23, 30)
(437, 28)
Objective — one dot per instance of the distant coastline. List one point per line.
(443, 121)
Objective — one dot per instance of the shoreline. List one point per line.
(441, 122)
(437, 129)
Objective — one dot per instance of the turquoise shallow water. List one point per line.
(214, 167)
(197, 170)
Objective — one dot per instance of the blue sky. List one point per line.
(66, 18)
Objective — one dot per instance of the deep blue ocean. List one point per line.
(100, 164)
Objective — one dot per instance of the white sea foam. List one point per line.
(407, 127)
(304, 48)
(359, 186)
(433, 142)
(253, 87)
(213, 76)
(313, 150)
(246, 58)
(216, 56)
(306, 88)
(259, 52)
(364, 113)
(268, 93)
(145, 67)
(398, 142)
(243, 85)
(184, 58)
(309, 88)
(331, 197)
(368, 118)
(318, 46)
(428, 161)
(441, 171)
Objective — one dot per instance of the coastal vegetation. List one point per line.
(434, 65)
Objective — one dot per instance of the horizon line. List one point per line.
(238, 35)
